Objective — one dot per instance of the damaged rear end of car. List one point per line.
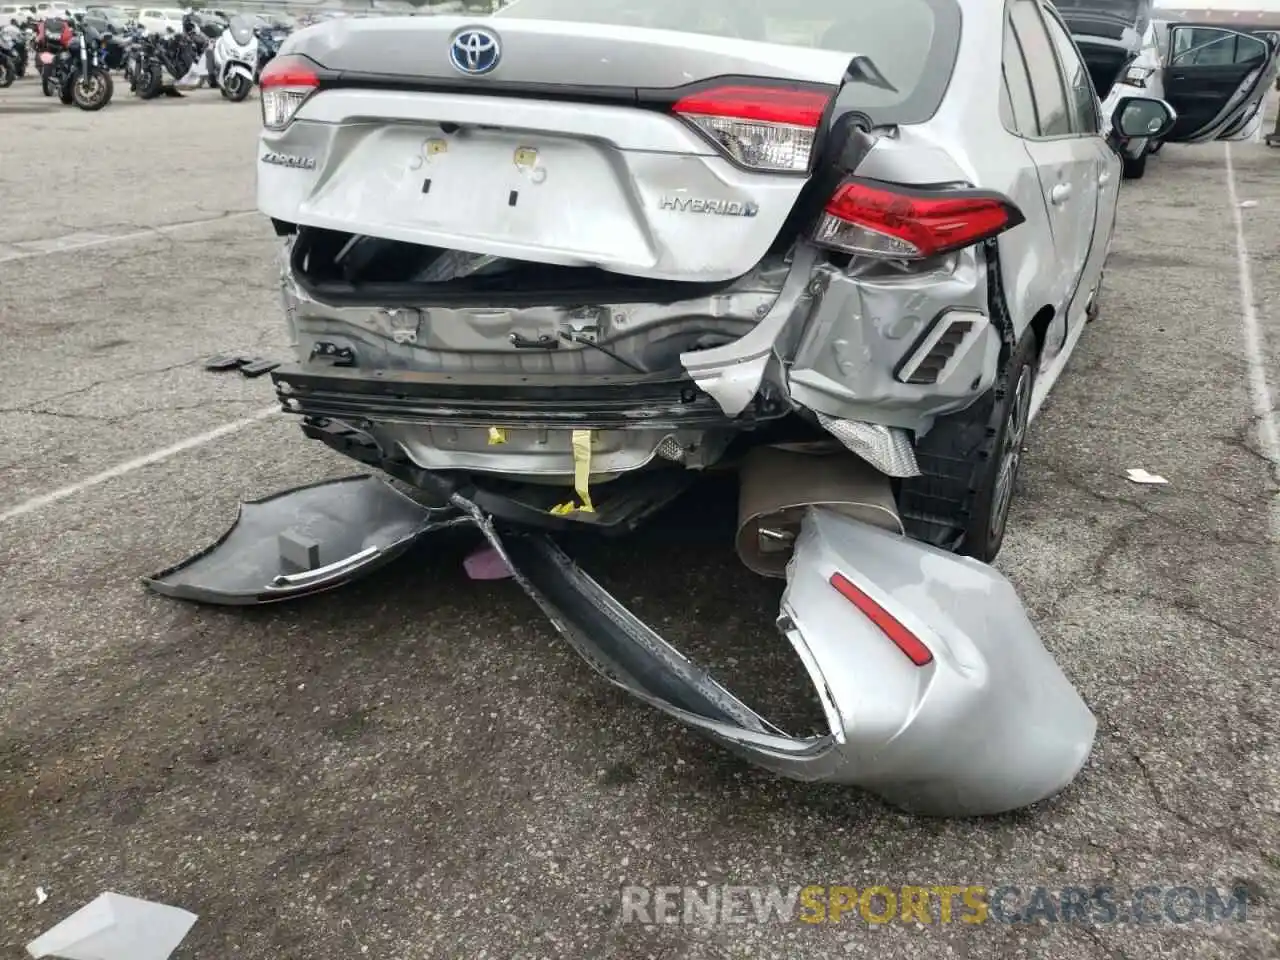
(552, 265)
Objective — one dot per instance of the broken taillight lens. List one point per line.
(874, 219)
(761, 127)
(902, 638)
(286, 83)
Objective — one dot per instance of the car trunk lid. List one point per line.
(670, 156)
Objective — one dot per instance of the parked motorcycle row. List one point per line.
(76, 59)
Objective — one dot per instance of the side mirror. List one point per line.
(1142, 117)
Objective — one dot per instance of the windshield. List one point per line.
(241, 30)
(912, 42)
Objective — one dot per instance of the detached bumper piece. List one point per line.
(939, 695)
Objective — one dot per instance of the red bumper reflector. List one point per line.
(902, 638)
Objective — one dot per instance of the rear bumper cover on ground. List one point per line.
(989, 724)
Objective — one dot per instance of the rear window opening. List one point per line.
(913, 43)
(337, 267)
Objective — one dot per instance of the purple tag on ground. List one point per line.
(486, 564)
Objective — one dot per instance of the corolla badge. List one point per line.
(475, 51)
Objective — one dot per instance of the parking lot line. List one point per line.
(129, 466)
(1254, 347)
(73, 244)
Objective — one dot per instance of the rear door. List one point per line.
(1216, 80)
(1066, 157)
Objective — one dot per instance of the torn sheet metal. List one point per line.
(303, 541)
(116, 927)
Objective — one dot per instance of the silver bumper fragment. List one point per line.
(939, 695)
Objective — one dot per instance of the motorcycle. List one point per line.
(13, 51)
(268, 47)
(9, 47)
(53, 37)
(78, 73)
(232, 60)
(153, 56)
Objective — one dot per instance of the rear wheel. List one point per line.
(7, 74)
(969, 464)
(65, 93)
(1134, 169)
(46, 81)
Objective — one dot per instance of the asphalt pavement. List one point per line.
(417, 767)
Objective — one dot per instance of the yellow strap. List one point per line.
(582, 468)
(497, 435)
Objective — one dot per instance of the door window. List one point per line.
(1042, 69)
(1018, 100)
(1210, 47)
(1083, 101)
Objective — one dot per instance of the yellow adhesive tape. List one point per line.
(563, 509)
(582, 468)
(497, 435)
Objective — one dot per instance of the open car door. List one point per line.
(1109, 34)
(1216, 80)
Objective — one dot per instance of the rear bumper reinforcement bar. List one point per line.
(605, 403)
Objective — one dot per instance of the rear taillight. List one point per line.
(286, 83)
(875, 219)
(902, 638)
(1138, 76)
(761, 127)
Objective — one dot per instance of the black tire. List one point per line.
(7, 73)
(997, 475)
(96, 93)
(148, 84)
(46, 82)
(64, 91)
(1134, 169)
(960, 501)
(236, 88)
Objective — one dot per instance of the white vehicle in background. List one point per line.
(1215, 79)
(232, 59)
(160, 19)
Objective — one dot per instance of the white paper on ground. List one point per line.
(1138, 475)
(116, 927)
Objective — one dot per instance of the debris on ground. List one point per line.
(247, 365)
(1138, 475)
(116, 927)
(486, 563)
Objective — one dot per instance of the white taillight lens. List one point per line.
(892, 222)
(765, 128)
(1138, 76)
(286, 84)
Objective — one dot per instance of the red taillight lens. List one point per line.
(761, 127)
(875, 219)
(286, 83)
(902, 638)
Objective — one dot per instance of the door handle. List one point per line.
(1060, 193)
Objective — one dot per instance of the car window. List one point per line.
(1042, 69)
(1083, 101)
(912, 42)
(1017, 86)
(1208, 47)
